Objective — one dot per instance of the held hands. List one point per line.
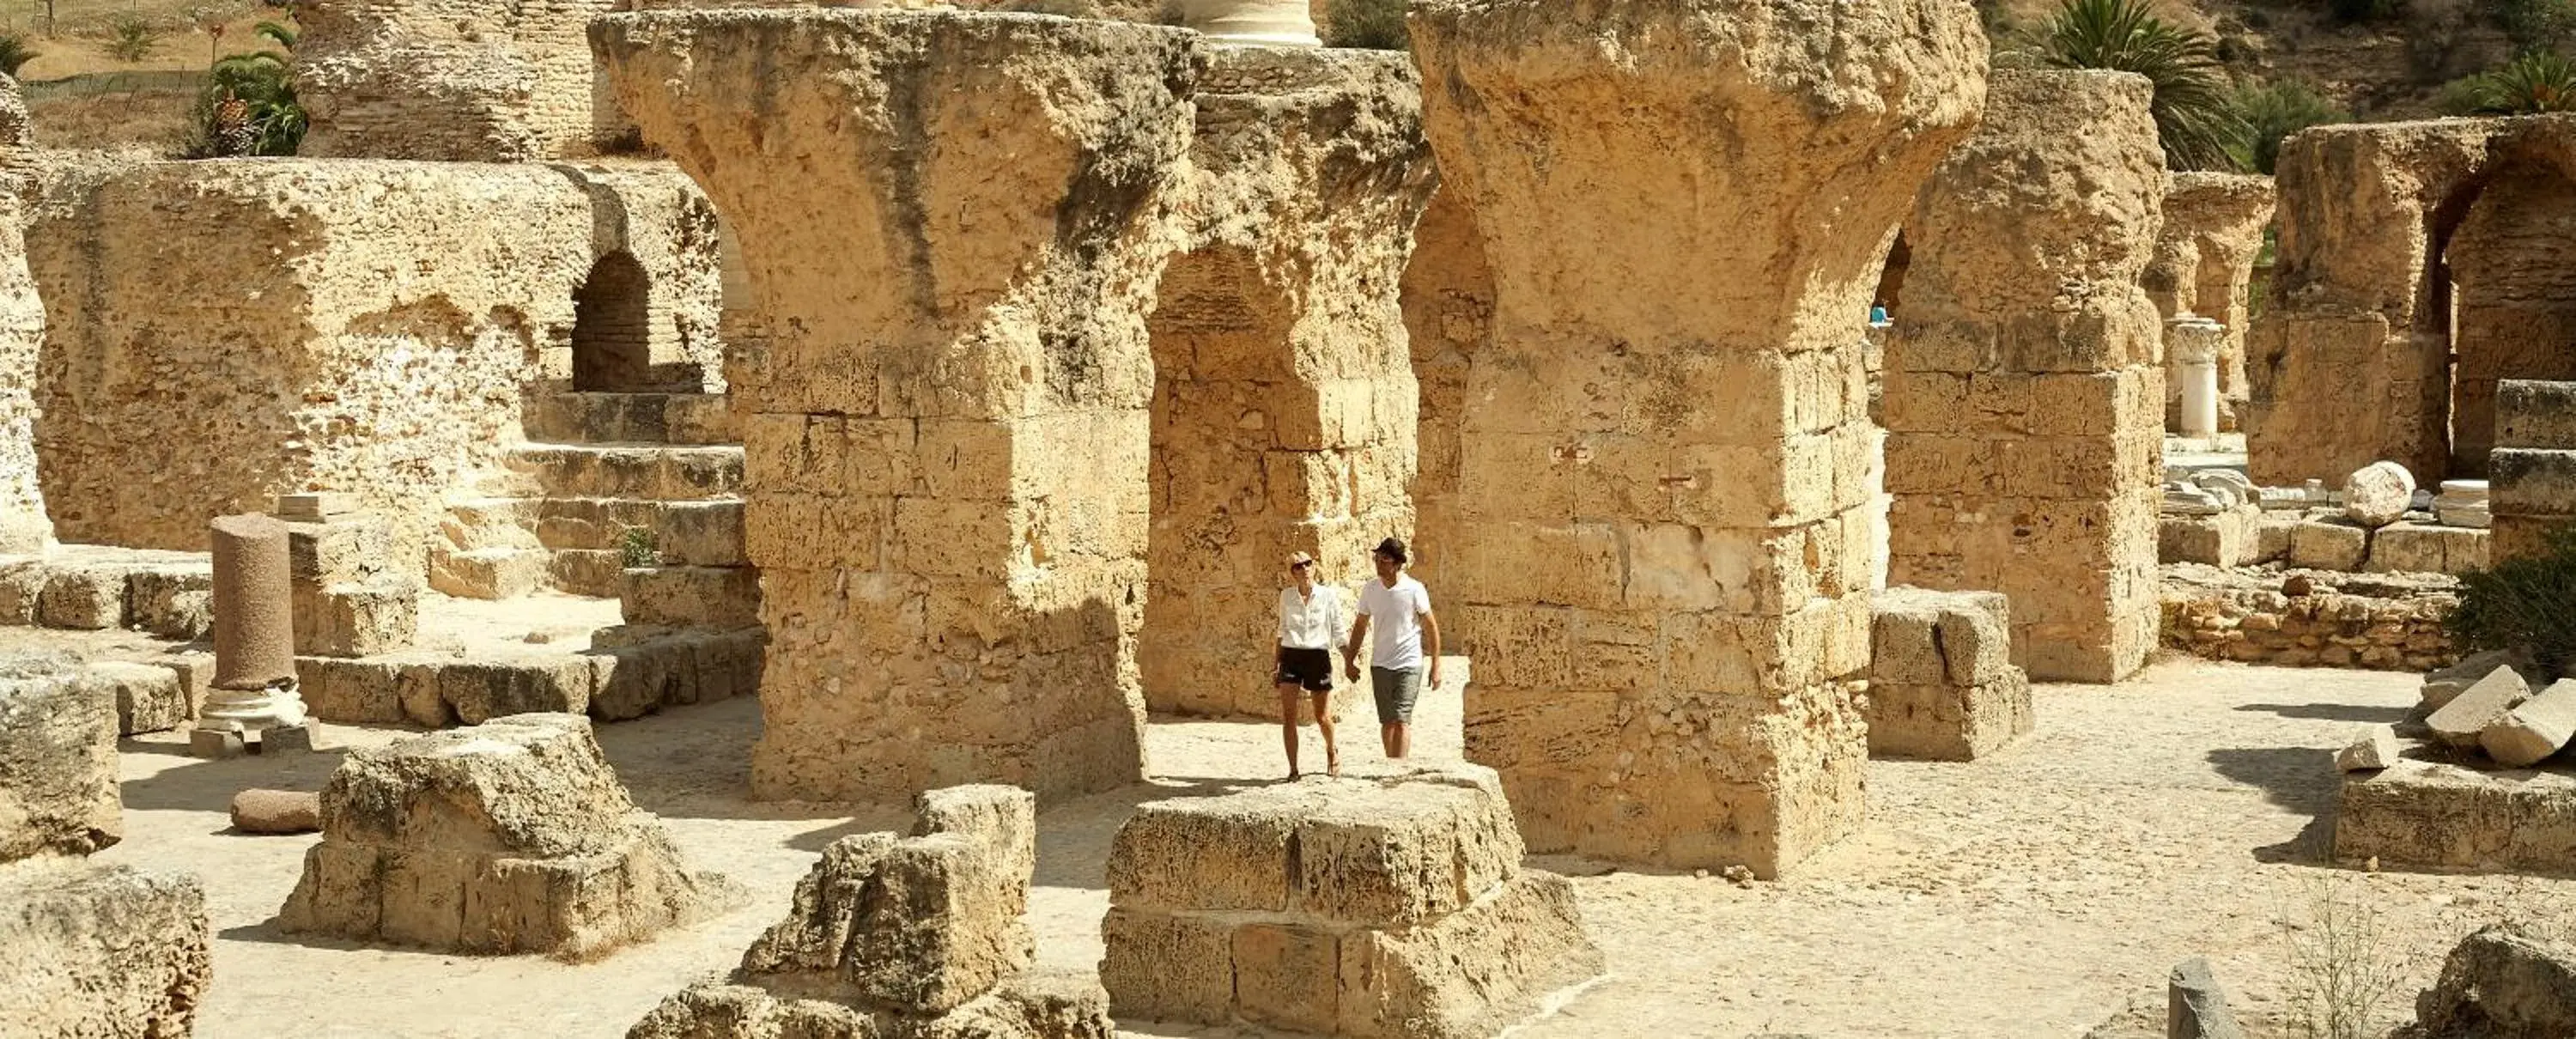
(1351, 668)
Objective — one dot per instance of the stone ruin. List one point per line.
(403, 309)
(2203, 267)
(1666, 471)
(1284, 406)
(1942, 684)
(92, 950)
(2533, 466)
(2465, 782)
(2023, 401)
(506, 837)
(1382, 905)
(920, 935)
(1448, 293)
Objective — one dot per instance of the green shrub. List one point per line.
(2194, 119)
(639, 548)
(2541, 81)
(1366, 24)
(2271, 112)
(249, 105)
(2532, 23)
(132, 39)
(15, 53)
(2525, 604)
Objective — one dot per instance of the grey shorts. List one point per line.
(1396, 691)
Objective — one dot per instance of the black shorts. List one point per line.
(1310, 668)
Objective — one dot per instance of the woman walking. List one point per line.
(1309, 617)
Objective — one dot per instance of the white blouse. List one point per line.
(1310, 623)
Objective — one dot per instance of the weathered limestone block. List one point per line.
(2350, 362)
(2500, 983)
(109, 952)
(2461, 721)
(2024, 414)
(2204, 265)
(917, 936)
(58, 787)
(945, 396)
(1666, 677)
(511, 836)
(1284, 408)
(1373, 906)
(2427, 549)
(2226, 539)
(2378, 494)
(148, 697)
(2445, 685)
(2532, 470)
(2534, 729)
(916, 926)
(2375, 747)
(691, 596)
(2437, 816)
(221, 333)
(1942, 684)
(2329, 545)
(430, 79)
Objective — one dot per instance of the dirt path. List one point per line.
(2037, 893)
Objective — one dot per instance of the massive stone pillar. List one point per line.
(1662, 498)
(2024, 405)
(952, 227)
(1284, 394)
(2204, 265)
(2350, 362)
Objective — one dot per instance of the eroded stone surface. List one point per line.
(2437, 816)
(1942, 684)
(945, 411)
(1379, 905)
(1664, 678)
(2204, 265)
(2024, 408)
(58, 777)
(110, 952)
(510, 836)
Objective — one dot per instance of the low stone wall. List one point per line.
(221, 333)
(2310, 618)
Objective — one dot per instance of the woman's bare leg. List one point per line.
(1324, 721)
(1288, 707)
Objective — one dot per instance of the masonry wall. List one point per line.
(223, 332)
(2204, 265)
(2023, 400)
(1284, 403)
(1448, 294)
(2349, 363)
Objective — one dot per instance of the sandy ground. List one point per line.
(2037, 893)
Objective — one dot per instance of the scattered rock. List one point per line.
(2445, 685)
(2195, 1007)
(277, 811)
(2500, 984)
(2379, 494)
(2462, 721)
(2299, 584)
(2374, 747)
(2536, 729)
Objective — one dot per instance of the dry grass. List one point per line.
(155, 119)
(79, 46)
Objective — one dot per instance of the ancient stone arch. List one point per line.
(2513, 301)
(612, 325)
(1448, 293)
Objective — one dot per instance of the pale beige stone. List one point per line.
(1663, 473)
(2462, 721)
(2534, 729)
(260, 294)
(2204, 265)
(511, 836)
(2023, 406)
(1942, 684)
(2349, 363)
(58, 775)
(2375, 747)
(1448, 296)
(109, 952)
(945, 396)
(2378, 494)
(1283, 413)
(2439, 816)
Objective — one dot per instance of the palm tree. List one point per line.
(249, 107)
(2540, 81)
(2271, 113)
(2193, 116)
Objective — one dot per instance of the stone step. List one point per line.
(489, 573)
(660, 473)
(625, 673)
(692, 596)
(654, 418)
(591, 541)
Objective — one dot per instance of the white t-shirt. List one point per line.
(1306, 623)
(1395, 621)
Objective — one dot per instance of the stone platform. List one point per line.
(2428, 813)
(99, 950)
(1385, 905)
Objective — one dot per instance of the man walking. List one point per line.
(1399, 609)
